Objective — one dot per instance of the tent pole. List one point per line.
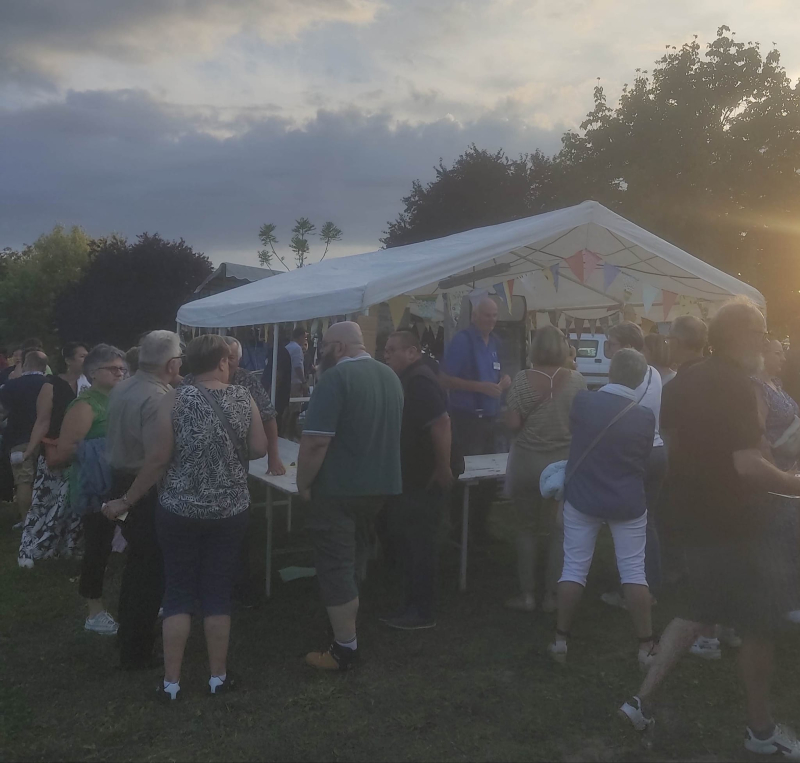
(274, 386)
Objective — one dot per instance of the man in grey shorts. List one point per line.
(349, 462)
(741, 560)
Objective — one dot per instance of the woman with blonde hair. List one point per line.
(539, 403)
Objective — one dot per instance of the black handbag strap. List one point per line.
(597, 440)
(241, 451)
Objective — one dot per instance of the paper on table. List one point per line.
(295, 573)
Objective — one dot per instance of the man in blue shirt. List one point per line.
(472, 373)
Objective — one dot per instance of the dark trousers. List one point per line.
(653, 482)
(143, 579)
(413, 522)
(475, 437)
(98, 532)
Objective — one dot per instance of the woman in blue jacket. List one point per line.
(612, 438)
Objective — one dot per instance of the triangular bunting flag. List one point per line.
(476, 296)
(508, 288)
(668, 299)
(554, 315)
(526, 285)
(593, 326)
(567, 322)
(610, 273)
(575, 263)
(649, 296)
(647, 326)
(554, 269)
(397, 309)
(591, 261)
(548, 275)
(500, 290)
(510, 285)
(603, 323)
(579, 323)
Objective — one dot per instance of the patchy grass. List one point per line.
(478, 687)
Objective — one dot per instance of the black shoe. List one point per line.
(336, 658)
(228, 685)
(410, 620)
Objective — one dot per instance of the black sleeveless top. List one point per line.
(62, 397)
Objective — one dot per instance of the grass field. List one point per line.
(477, 687)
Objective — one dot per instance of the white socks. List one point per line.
(172, 688)
(216, 681)
(351, 644)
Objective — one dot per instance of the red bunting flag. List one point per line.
(575, 263)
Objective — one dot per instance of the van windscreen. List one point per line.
(586, 348)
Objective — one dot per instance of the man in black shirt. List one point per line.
(414, 516)
(740, 566)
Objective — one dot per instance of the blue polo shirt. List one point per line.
(469, 357)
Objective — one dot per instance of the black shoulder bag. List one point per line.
(239, 446)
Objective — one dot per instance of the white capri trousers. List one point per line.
(580, 537)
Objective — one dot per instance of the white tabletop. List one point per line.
(491, 466)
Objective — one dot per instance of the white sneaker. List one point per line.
(101, 623)
(706, 649)
(614, 599)
(558, 651)
(631, 711)
(729, 637)
(26, 564)
(782, 743)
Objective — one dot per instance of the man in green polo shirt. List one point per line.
(349, 461)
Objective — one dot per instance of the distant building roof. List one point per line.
(229, 275)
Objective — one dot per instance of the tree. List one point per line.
(130, 288)
(298, 244)
(32, 280)
(481, 188)
(705, 152)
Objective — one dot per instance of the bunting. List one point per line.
(554, 316)
(548, 275)
(397, 309)
(647, 326)
(500, 291)
(668, 299)
(603, 323)
(579, 324)
(649, 296)
(526, 285)
(610, 273)
(575, 263)
(593, 325)
(591, 261)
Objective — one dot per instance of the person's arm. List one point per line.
(257, 441)
(757, 472)
(484, 388)
(275, 464)
(44, 409)
(313, 449)
(158, 455)
(76, 426)
(441, 437)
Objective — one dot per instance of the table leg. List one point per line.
(462, 582)
(269, 541)
(288, 513)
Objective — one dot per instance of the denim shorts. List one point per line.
(201, 559)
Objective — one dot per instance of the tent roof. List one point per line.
(453, 264)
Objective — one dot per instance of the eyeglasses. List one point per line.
(178, 357)
(116, 370)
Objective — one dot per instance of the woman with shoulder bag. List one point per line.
(612, 437)
(539, 403)
(206, 433)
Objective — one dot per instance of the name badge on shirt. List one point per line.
(496, 365)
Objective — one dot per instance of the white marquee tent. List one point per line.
(585, 260)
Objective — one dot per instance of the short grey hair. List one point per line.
(157, 349)
(628, 368)
(99, 356)
(231, 341)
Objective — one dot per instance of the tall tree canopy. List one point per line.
(31, 280)
(130, 288)
(704, 152)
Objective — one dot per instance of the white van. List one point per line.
(592, 360)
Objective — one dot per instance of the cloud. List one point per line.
(125, 162)
(40, 38)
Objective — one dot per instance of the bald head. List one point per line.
(35, 360)
(484, 316)
(342, 340)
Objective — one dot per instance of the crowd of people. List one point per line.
(687, 455)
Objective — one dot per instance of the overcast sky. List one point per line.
(203, 119)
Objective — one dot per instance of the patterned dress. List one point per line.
(206, 480)
(50, 528)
